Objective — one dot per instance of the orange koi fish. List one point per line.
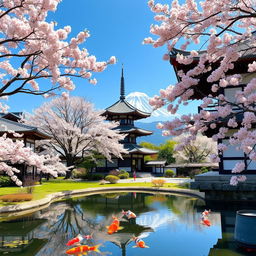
(129, 214)
(139, 243)
(206, 212)
(206, 222)
(79, 238)
(115, 221)
(83, 249)
(114, 226)
(88, 237)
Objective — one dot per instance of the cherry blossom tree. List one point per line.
(32, 49)
(15, 153)
(224, 30)
(196, 151)
(77, 130)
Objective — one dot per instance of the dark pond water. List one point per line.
(168, 224)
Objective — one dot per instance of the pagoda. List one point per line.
(124, 113)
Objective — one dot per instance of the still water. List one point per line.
(168, 224)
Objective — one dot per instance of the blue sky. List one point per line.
(117, 28)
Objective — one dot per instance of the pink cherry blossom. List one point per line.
(224, 33)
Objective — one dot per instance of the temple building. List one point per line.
(10, 122)
(124, 113)
(216, 185)
(230, 156)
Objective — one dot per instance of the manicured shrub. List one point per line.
(5, 181)
(102, 182)
(123, 175)
(194, 172)
(112, 179)
(114, 172)
(204, 169)
(16, 197)
(169, 173)
(80, 173)
(94, 176)
(158, 182)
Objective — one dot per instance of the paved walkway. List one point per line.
(149, 179)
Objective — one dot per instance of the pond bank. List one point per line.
(28, 207)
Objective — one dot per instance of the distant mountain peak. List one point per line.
(138, 94)
(140, 100)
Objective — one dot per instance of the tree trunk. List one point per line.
(70, 162)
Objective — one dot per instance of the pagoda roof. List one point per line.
(122, 107)
(14, 116)
(9, 125)
(244, 47)
(134, 148)
(133, 129)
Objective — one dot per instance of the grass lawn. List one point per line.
(59, 185)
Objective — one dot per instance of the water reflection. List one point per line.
(170, 225)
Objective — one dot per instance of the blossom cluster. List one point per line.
(32, 48)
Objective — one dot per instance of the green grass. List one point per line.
(59, 185)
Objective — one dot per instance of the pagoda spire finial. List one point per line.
(122, 92)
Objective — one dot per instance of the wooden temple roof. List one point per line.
(14, 116)
(122, 107)
(9, 125)
(136, 149)
(133, 129)
(204, 87)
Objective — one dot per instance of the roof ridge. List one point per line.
(18, 123)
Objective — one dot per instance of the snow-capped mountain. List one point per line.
(140, 100)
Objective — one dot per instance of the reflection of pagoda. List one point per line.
(124, 113)
(124, 237)
(17, 237)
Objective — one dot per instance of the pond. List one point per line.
(168, 224)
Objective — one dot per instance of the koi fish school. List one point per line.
(114, 227)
